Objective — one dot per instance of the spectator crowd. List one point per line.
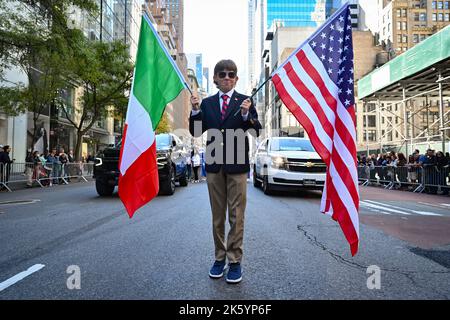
(431, 170)
(47, 168)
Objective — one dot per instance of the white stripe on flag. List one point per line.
(346, 197)
(332, 88)
(339, 144)
(139, 136)
(304, 105)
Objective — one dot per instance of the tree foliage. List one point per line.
(104, 72)
(34, 38)
(163, 125)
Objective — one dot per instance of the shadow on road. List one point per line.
(308, 194)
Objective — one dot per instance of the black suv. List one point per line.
(170, 153)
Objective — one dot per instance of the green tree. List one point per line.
(35, 38)
(164, 125)
(104, 72)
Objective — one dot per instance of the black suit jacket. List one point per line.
(210, 118)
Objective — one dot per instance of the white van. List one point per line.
(288, 162)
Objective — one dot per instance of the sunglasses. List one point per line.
(230, 74)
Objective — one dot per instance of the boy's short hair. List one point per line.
(225, 65)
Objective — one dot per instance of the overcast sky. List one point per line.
(218, 30)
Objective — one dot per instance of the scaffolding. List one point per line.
(411, 94)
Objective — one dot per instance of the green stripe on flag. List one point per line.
(156, 82)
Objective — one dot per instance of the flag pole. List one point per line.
(255, 92)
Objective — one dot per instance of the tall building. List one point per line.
(206, 79)
(298, 13)
(265, 16)
(126, 19)
(176, 12)
(120, 20)
(404, 23)
(159, 10)
(195, 62)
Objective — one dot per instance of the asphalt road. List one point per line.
(291, 251)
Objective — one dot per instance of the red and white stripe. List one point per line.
(308, 92)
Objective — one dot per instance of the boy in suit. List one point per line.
(228, 164)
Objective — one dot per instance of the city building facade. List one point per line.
(405, 23)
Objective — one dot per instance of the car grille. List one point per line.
(306, 165)
(110, 164)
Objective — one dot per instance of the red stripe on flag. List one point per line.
(341, 167)
(140, 184)
(340, 127)
(308, 96)
(299, 114)
(315, 76)
(341, 215)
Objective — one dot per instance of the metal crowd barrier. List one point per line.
(417, 179)
(43, 175)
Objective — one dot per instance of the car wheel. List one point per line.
(103, 188)
(256, 182)
(267, 188)
(168, 186)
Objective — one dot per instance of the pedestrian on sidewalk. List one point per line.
(5, 165)
(189, 166)
(196, 164)
(63, 160)
(226, 111)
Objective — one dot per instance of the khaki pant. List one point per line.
(228, 190)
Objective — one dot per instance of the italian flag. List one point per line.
(157, 81)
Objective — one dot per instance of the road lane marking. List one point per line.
(20, 276)
(378, 208)
(424, 213)
(18, 202)
(434, 205)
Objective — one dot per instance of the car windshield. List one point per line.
(291, 145)
(162, 140)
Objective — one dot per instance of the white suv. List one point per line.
(282, 162)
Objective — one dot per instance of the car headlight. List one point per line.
(98, 161)
(161, 158)
(278, 162)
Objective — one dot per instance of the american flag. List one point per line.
(316, 85)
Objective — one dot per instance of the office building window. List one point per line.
(399, 25)
(434, 17)
(440, 17)
(399, 38)
(440, 5)
(403, 12)
(447, 17)
(403, 25)
(399, 13)
(423, 17)
(416, 16)
(422, 37)
(415, 38)
(433, 5)
(405, 38)
(447, 5)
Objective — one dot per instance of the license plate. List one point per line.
(309, 182)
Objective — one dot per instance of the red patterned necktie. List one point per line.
(224, 105)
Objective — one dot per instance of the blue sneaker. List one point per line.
(217, 269)
(234, 273)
